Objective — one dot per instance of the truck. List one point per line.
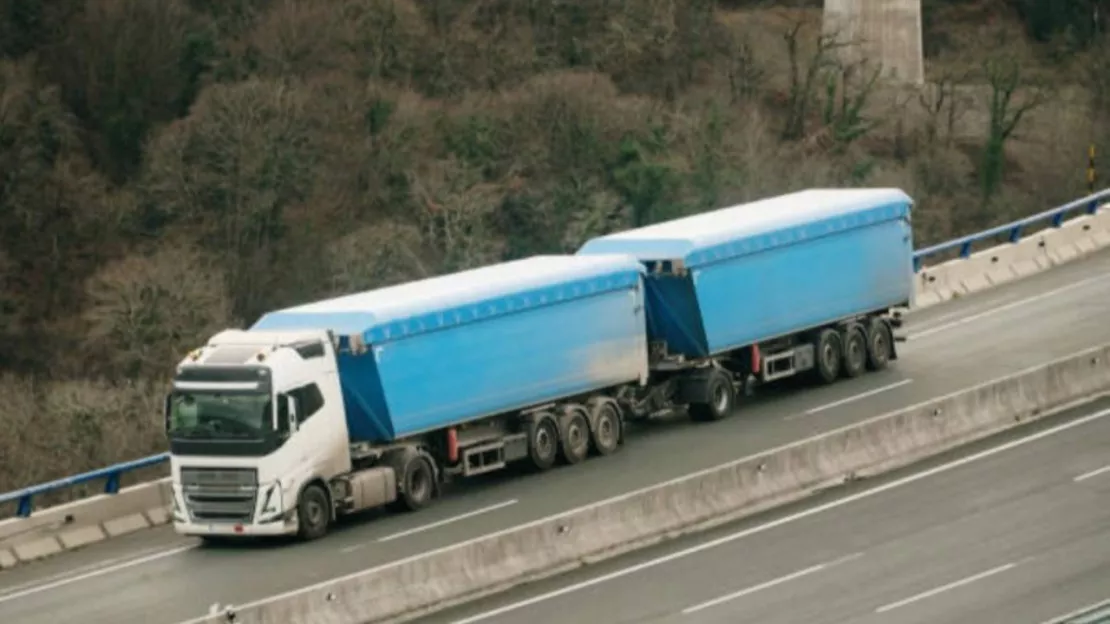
(383, 397)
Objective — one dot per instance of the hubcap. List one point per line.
(575, 434)
(605, 431)
(418, 484)
(315, 513)
(721, 398)
(543, 441)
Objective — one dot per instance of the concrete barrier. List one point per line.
(87, 521)
(1004, 263)
(464, 571)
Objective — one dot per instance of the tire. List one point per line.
(605, 432)
(828, 356)
(416, 480)
(855, 352)
(313, 513)
(574, 434)
(879, 344)
(722, 398)
(543, 441)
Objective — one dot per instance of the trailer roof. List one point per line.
(455, 298)
(757, 225)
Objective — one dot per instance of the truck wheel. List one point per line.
(416, 483)
(313, 513)
(605, 434)
(721, 394)
(855, 352)
(574, 438)
(828, 356)
(878, 344)
(543, 441)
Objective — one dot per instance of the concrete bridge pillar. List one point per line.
(888, 31)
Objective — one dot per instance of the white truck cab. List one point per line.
(253, 419)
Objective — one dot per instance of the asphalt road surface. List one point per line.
(156, 577)
(1012, 531)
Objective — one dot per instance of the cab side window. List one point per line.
(309, 401)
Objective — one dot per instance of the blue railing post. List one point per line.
(24, 510)
(111, 486)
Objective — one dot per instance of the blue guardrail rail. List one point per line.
(1056, 216)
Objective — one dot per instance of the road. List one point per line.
(1014, 531)
(158, 578)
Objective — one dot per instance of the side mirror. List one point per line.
(291, 413)
(167, 409)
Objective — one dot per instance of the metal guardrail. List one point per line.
(1090, 205)
(112, 474)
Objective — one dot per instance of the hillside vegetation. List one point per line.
(170, 168)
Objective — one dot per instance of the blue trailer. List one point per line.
(423, 356)
(379, 397)
(808, 281)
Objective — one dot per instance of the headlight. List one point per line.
(271, 502)
(177, 512)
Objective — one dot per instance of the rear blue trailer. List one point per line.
(774, 287)
(769, 268)
(427, 355)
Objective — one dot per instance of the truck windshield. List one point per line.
(220, 415)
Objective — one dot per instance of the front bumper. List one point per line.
(243, 510)
(222, 529)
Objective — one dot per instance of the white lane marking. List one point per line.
(950, 586)
(769, 584)
(94, 573)
(434, 525)
(928, 331)
(1093, 473)
(851, 399)
(913, 478)
(96, 565)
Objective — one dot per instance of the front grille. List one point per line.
(220, 494)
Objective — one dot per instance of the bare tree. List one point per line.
(847, 86)
(805, 76)
(941, 104)
(1012, 98)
